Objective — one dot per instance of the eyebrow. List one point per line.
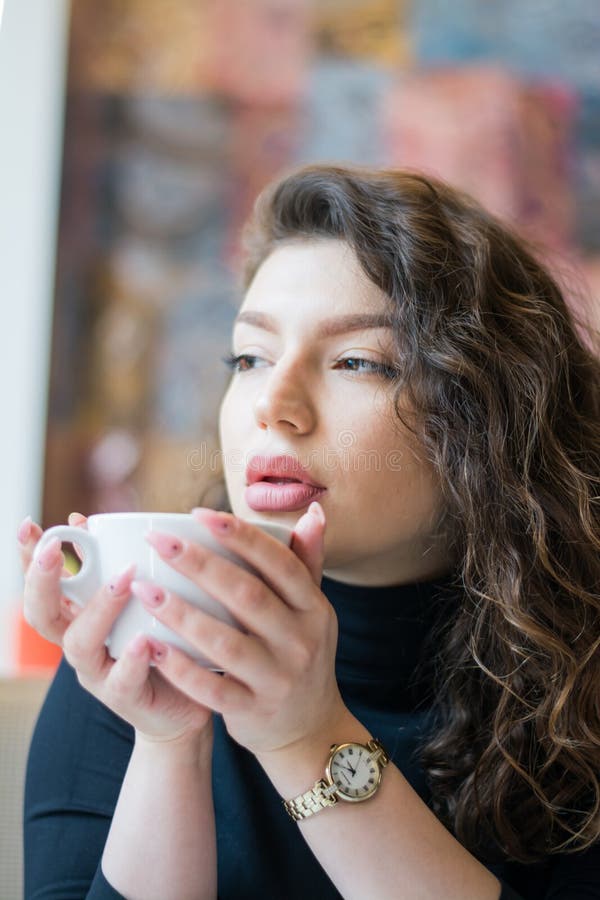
(327, 328)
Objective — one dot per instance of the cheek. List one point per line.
(414, 494)
(228, 420)
(223, 416)
(393, 475)
(235, 426)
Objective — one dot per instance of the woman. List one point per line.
(410, 352)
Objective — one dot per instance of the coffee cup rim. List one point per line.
(177, 515)
(141, 512)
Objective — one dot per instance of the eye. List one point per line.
(373, 366)
(235, 362)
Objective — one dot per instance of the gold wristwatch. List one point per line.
(352, 773)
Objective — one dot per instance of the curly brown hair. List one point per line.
(507, 396)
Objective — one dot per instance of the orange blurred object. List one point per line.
(34, 654)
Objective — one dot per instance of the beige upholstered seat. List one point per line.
(20, 701)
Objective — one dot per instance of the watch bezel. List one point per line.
(337, 748)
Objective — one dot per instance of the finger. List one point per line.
(127, 677)
(246, 596)
(69, 608)
(276, 563)
(239, 654)
(221, 693)
(42, 607)
(28, 534)
(308, 540)
(77, 520)
(84, 640)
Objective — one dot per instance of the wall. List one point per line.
(32, 77)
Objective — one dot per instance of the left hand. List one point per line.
(279, 686)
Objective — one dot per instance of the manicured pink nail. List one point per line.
(316, 510)
(158, 650)
(150, 594)
(120, 583)
(75, 519)
(24, 530)
(166, 544)
(50, 555)
(221, 522)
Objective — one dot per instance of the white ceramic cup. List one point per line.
(113, 541)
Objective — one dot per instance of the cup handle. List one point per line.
(85, 583)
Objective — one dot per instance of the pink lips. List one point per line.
(263, 493)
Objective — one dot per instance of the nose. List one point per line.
(284, 402)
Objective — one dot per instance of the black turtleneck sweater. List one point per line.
(80, 751)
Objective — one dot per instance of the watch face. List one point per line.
(354, 772)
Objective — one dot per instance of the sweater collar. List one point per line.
(387, 639)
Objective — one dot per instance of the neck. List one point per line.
(381, 571)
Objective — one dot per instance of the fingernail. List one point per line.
(166, 544)
(50, 555)
(221, 522)
(316, 510)
(75, 518)
(120, 583)
(150, 594)
(158, 650)
(24, 530)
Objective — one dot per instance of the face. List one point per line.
(321, 398)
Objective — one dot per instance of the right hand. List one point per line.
(129, 686)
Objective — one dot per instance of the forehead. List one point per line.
(317, 278)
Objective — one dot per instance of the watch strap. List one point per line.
(378, 752)
(317, 798)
